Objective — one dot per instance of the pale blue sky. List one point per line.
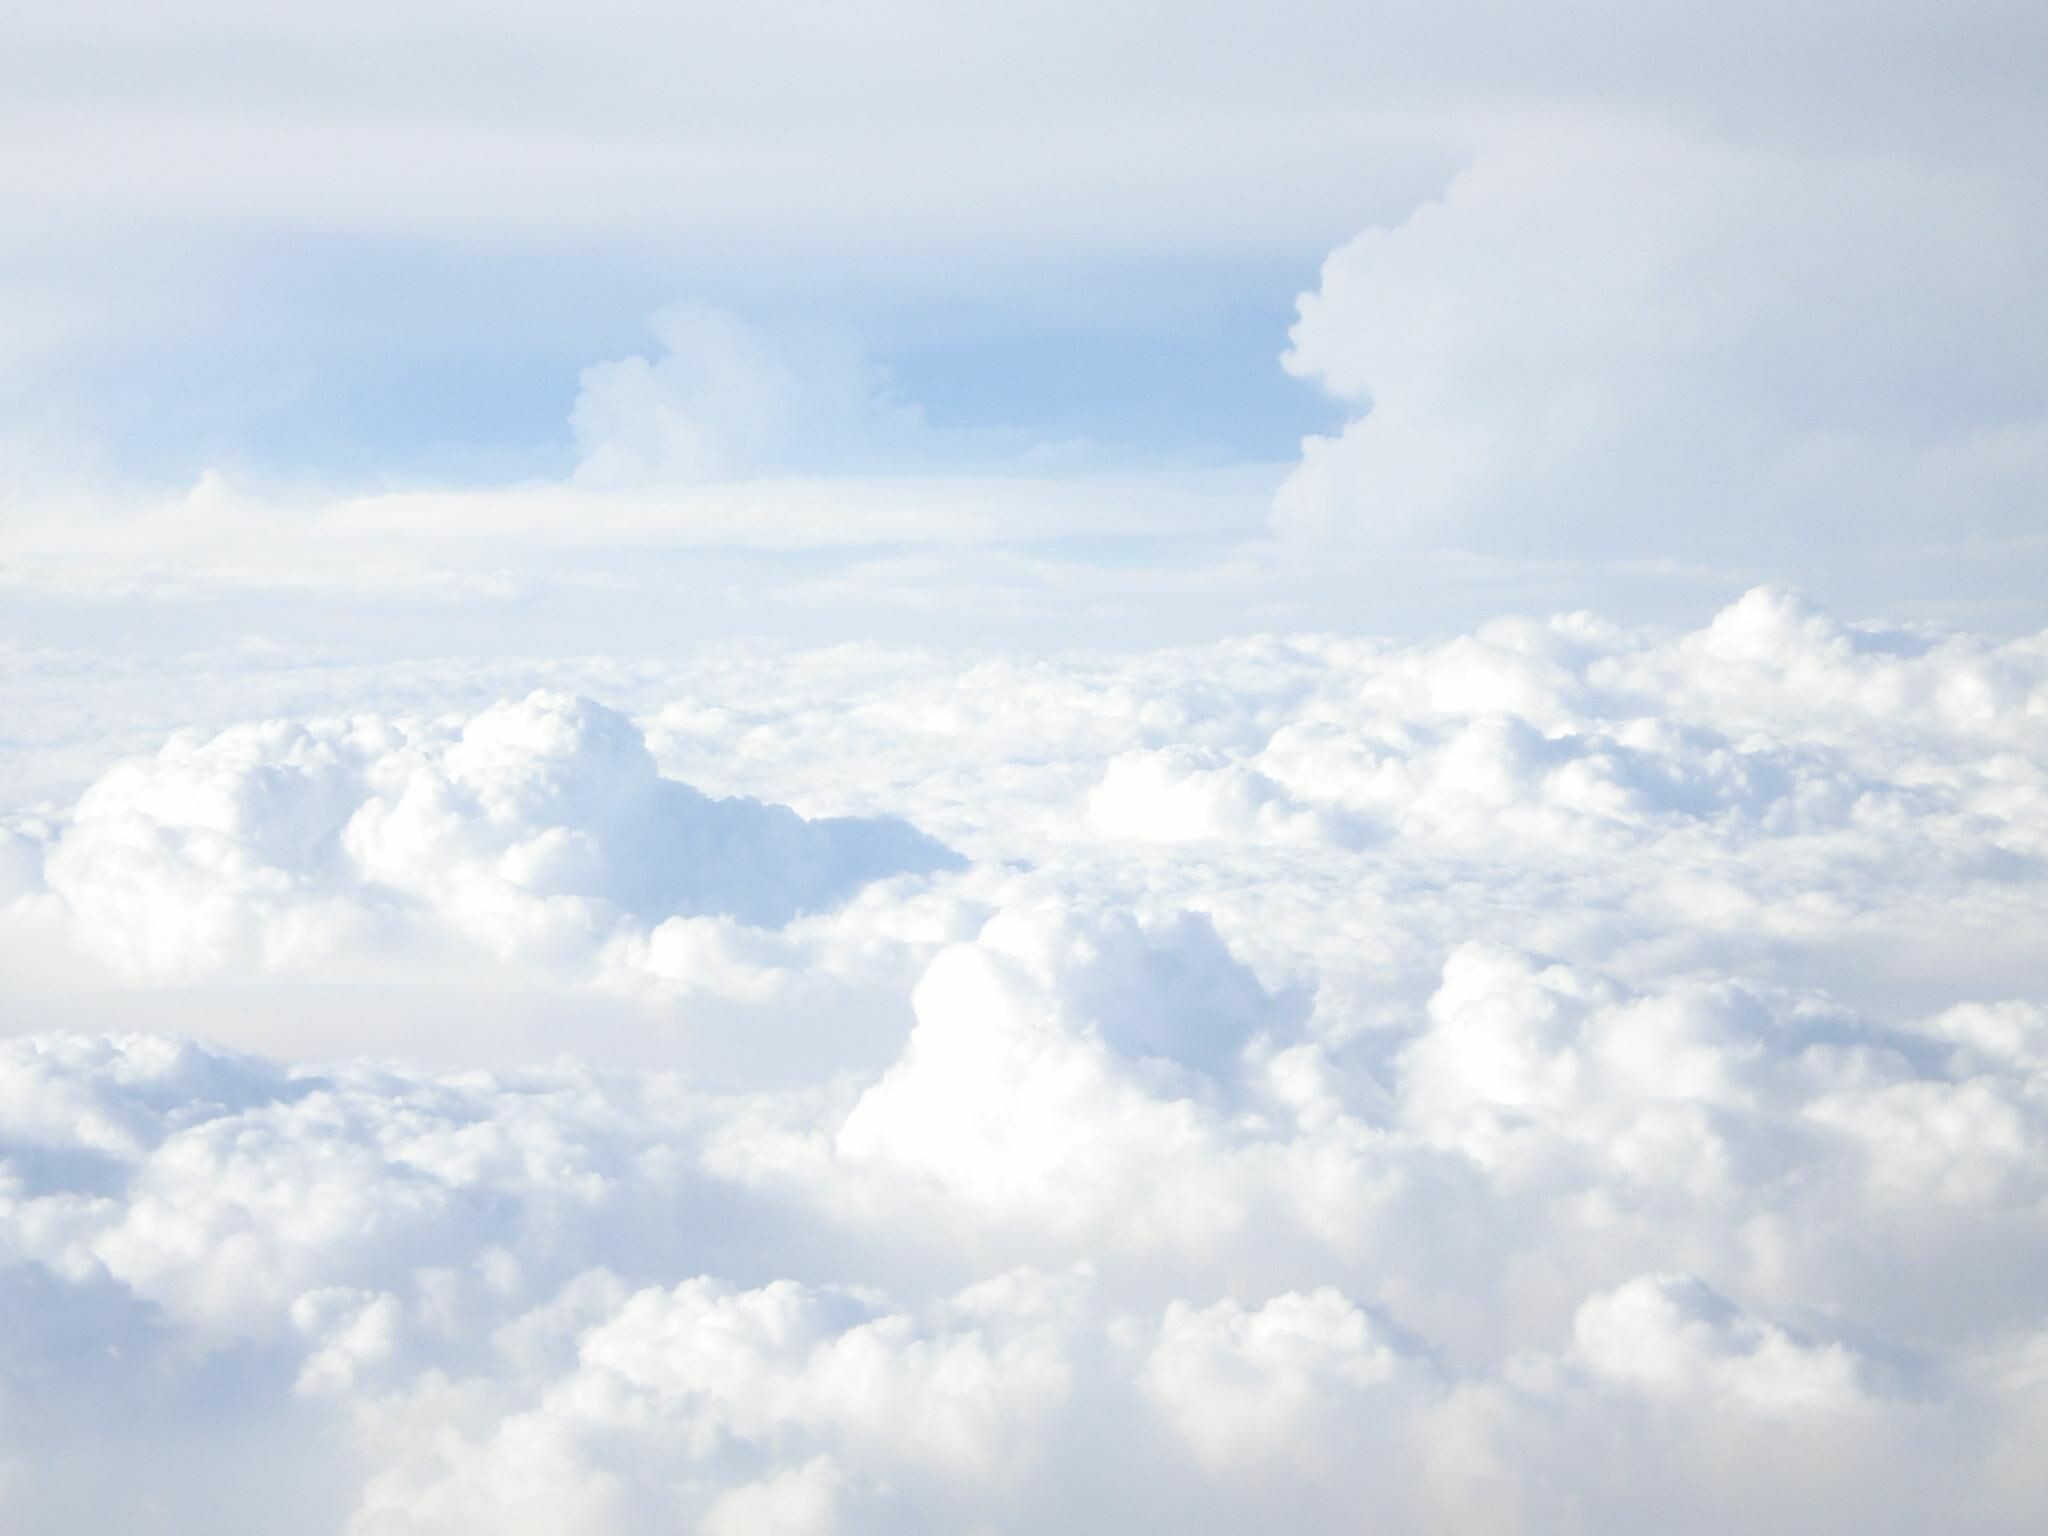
(1600, 304)
(371, 359)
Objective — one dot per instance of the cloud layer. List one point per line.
(1563, 1076)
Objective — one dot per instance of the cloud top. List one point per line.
(530, 826)
(1563, 1076)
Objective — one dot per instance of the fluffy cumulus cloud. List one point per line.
(537, 826)
(1562, 1077)
(1245, 1388)
(1609, 336)
(722, 401)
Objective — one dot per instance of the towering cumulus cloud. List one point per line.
(1607, 338)
(1564, 1077)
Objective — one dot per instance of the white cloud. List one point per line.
(800, 1502)
(1670, 1335)
(722, 401)
(752, 1366)
(1617, 1048)
(531, 829)
(1013, 1105)
(1247, 1388)
(1174, 795)
(1609, 337)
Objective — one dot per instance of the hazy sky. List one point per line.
(1621, 303)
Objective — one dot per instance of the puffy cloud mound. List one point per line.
(1245, 1387)
(536, 826)
(1608, 337)
(1067, 1073)
(722, 401)
(1671, 1336)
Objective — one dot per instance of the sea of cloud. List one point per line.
(1568, 1077)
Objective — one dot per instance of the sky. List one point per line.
(1619, 306)
(819, 770)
